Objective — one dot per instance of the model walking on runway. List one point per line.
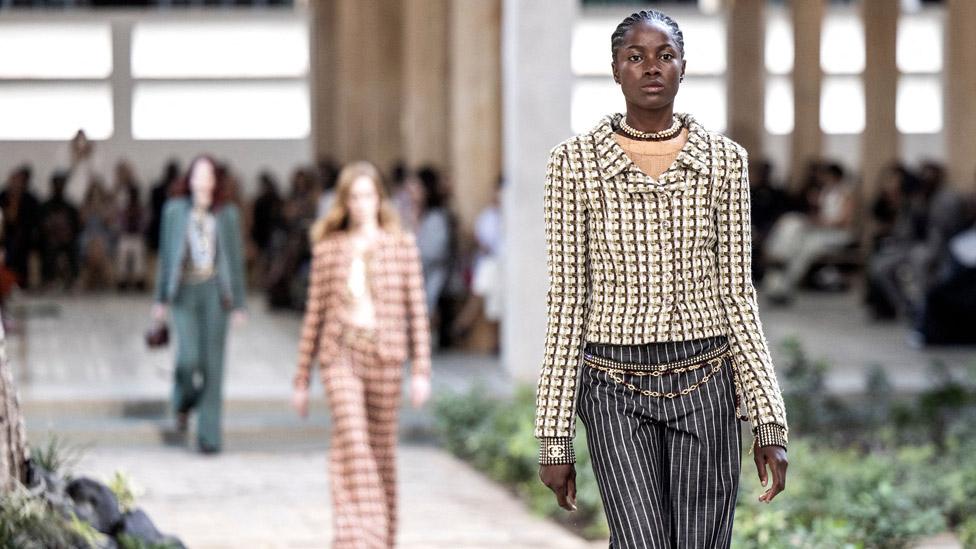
(654, 337)
(365, 315)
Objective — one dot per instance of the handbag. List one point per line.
(157, 336)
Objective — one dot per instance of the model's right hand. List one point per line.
(159, 311)
(299, 401)
(561, 479)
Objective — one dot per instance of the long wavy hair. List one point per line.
(221, 190)
(337, 218)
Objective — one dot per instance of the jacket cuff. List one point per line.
(556, 451)
(770, 434)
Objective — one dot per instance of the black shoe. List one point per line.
(175, 434)
(208, 450)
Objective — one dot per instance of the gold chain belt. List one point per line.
(616, 373)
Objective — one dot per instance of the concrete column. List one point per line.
(322, 81)
(538, 83)
(368, 81)
(121, 82)
(746, 61)
(960, 84)
(425, 83)
(880, 142)
(475, 98)
(807, 139)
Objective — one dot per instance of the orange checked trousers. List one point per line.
(364, 399)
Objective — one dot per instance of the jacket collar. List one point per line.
(694, 157)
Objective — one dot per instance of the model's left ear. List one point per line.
(684, 64)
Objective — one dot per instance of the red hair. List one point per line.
(221, 190)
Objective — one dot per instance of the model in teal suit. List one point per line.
(199, 312)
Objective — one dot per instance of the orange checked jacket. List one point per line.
(395, 280)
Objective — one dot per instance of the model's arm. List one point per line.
(566, 244)
(750, 351)
(419, 323)
(235, 256)
(162, 262)
(761, 393)
(314, 312)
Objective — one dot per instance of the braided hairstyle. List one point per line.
(650, 16)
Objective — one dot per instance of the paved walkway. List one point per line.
(280, 500)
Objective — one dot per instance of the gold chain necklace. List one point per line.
(662, 135)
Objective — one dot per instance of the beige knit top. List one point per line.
(634, 260)
(653, 157)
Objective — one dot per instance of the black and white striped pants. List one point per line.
(667, 468)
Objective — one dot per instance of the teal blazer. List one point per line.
(173, 246)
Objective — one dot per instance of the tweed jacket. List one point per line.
(635, 260)
(173, 249)
(395, 279)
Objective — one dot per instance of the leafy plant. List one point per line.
(121, 487)
(56, 455)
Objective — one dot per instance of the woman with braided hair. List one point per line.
(654, 337)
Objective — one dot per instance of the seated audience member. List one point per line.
(20, 213)
(60, 230)
(798, 240)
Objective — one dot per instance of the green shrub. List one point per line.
(834, 498)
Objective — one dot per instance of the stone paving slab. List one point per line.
(281, 500)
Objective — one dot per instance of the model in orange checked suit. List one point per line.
(365, 315)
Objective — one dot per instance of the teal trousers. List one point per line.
(200, 323)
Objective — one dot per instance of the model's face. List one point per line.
(363, 201)
(648, 66)
(202, 183)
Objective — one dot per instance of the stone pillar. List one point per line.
(960, 85)
(368, 81)
(746, 61)
(475, 98)
(322, 80)
(121, 84)
(807, 141)
(538, 83)
(879, 144)
(425, 84)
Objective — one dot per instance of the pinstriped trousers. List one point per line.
(667, 469)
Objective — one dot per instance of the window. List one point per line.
(55, 111)
(842, 42)
(919, 101)
(57, 82)
(221, 79)
(55, 50)
(919, 104)
(779, 105)
(225, 49)
(220, 110)
(842, 105)
(919, 43)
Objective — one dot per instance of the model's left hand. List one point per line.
(775, 458)
(238, 317)
(419, 390)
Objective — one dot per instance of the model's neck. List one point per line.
(650, 120)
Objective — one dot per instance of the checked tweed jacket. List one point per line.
(634, 260)
(396, 282)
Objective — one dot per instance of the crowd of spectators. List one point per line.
(92, 234)
(909, 249)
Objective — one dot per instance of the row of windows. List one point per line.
(918, 46)
(191, 80)
(918, 104)
(919, 57)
